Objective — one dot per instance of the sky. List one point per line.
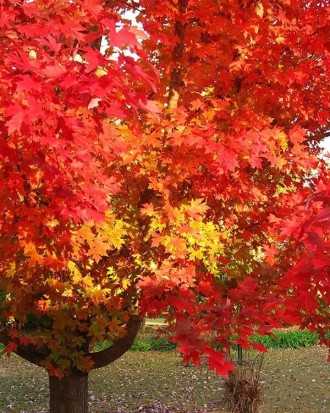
(326, 144)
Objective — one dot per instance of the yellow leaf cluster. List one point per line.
(187, 234)
(100, 238)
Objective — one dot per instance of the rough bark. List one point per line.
(69, 394)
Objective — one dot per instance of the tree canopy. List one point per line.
(173, 172)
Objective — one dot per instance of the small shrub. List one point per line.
(243, 388)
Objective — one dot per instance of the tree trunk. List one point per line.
(69, 395)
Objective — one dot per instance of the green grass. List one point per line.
(155, 344)
(148, 341)
(288, 339)
(281, 340)
(144, 343)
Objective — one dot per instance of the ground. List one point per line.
(296, 381)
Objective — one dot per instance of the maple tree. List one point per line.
(166, 173)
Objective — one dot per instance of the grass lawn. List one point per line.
(296, 381)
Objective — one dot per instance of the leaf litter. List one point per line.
(296, 381)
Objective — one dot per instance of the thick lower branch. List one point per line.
(29, 352)
(32, 354)
(119, 348)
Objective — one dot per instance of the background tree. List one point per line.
(155, 183)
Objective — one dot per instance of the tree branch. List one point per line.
(28, 352)
(176, 76)
(119, 347)
(32, 354)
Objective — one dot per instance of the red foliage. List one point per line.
(166, 175)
